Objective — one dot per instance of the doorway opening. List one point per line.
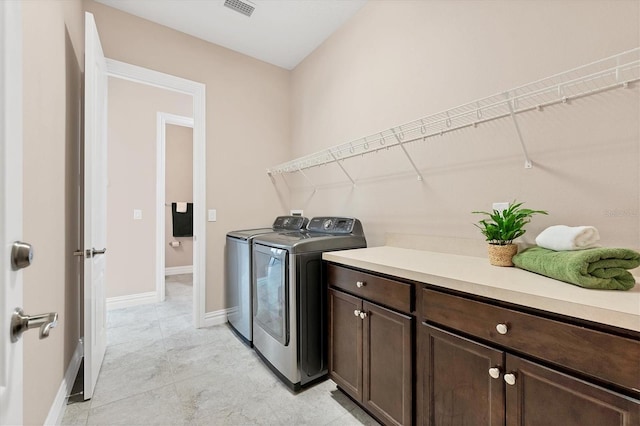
(135, 74)
(174, 242)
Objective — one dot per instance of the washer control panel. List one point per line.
(290, 223)
(332, 225)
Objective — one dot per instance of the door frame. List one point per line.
(164, 118)
(150, 77)
(11, 169)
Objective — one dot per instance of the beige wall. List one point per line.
(178, 187)
(53, 49)
(397, 61)
(132, 124)
(247, 123)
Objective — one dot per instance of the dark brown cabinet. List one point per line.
(541, 396)
(455, 387)
(386, 364)
(371, 352)
(464, 382)
(345, 343)
(477, 361)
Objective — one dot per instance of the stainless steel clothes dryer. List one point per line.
(290, 297)
(238, 272)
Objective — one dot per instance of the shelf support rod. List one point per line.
(335, 159)
(400, 144)
(527, 161)
(308, 180)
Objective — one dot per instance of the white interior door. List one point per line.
(95, 205)
(10, 206)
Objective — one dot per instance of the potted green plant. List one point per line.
(501, 228)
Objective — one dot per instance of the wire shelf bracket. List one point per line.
(353, 182)
(527, 160)
(400, 143)
(617, 71)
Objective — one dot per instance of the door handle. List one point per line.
(83, 253)
(89, 253)
(95, 252)
(21, 323)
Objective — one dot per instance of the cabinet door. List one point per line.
(541, 396)
(454, 384)
(387, 364)
(345, 342)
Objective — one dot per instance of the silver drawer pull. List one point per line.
(360, 284)
(494, 372)
(502, 328)
(356, 312)
(363, 315)
(510, 378)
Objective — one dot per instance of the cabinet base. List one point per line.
(359, 405)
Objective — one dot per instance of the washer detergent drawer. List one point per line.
(271, 291)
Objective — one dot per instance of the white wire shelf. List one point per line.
(619, 70)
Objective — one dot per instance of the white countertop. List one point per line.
(475, 275)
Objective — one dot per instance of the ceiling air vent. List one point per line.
(244, 7)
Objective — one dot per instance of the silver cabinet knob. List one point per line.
(21, 323)
(494, 372)
(360, 284)
(356, 312)
(510, 378)
(21, 255)
(363, 315)
(502, 328)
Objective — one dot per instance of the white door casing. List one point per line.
(95, 206)
(11, 361)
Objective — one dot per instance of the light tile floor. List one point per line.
(159, 370)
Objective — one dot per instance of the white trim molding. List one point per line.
(197, 90)
(216, 317)
(59, 405)
(177, 270)
(131, 300)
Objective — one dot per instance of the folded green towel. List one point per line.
(600, 268)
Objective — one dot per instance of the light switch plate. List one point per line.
(137, 214)
(500, 206)
(212, 215)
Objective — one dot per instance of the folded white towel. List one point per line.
(563, 238)
(181, 207)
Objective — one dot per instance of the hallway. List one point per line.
(158, 369)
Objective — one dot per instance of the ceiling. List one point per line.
(280, 32)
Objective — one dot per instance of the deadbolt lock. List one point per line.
(21, 255)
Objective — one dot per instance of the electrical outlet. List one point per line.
(296, 212)
(500, 206)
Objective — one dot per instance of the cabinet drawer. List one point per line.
(601, 355)
(371, 287)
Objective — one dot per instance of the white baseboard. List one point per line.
(176, 270)
(131, 300)
(56, 413)
(215, 317)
